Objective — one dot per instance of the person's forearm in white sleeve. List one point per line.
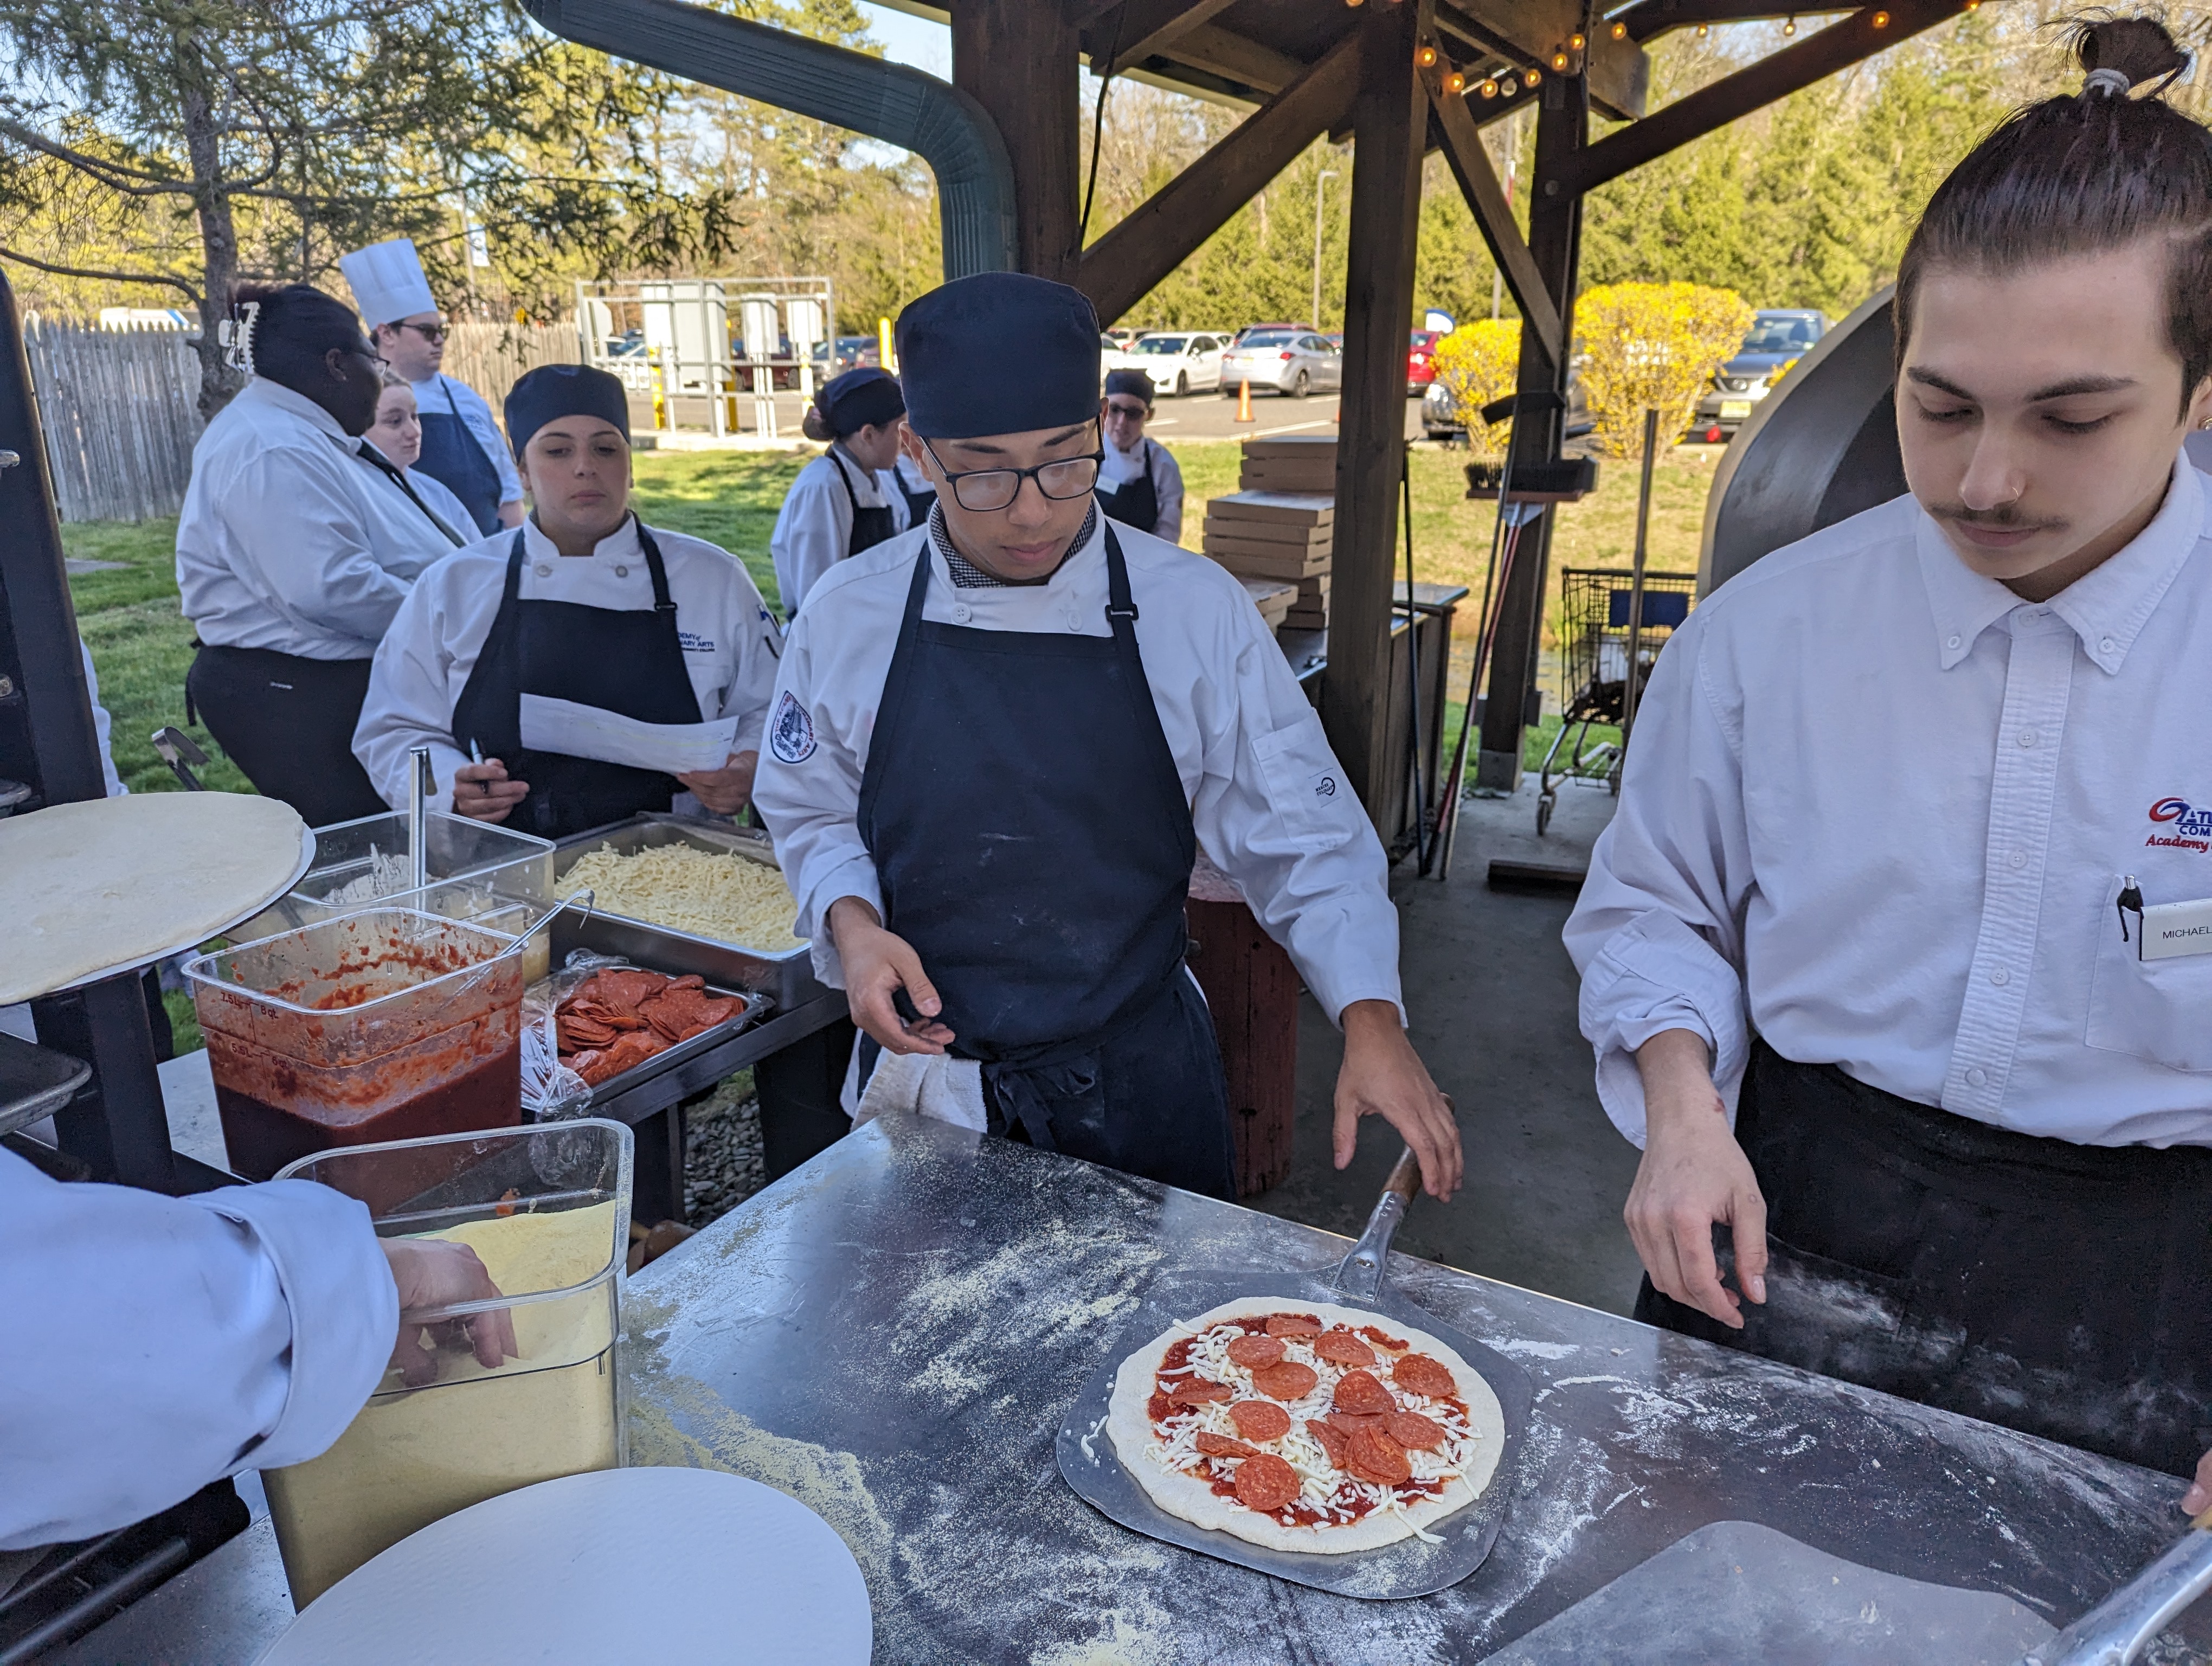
(159, 1343)
(1656, 933)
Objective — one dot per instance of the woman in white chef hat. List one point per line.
(552, 669)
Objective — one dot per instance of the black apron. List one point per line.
(1133, 502)
(918, 501)
(1034, 845)
(870, 527)
(2059, 1289)
(621, 660)
(454, 457)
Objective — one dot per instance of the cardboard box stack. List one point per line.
(1279, 527)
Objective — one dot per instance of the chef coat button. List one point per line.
(1976, 1077)
(622, 572)
(1951, 641)
(2000, 977)
(960, 612)
(1074, 621)
(2106, 645)
(543, 571)
(2018, 859)
(2027, 736)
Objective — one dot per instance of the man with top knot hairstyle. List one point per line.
(1894, 956)
(998, 744)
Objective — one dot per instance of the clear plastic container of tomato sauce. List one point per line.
(390, 1024)
(547, 1210)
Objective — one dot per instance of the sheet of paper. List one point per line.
(563, 726)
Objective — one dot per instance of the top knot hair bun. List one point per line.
(2119, 54)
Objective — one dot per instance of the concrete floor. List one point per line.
(1491, 996)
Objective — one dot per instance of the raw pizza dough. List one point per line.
(117, 882)
(1129, 1424)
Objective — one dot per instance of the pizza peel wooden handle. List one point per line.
(1405, 1175)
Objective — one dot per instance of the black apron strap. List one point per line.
(377, 460)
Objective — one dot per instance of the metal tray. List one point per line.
(35, 1082)
(788, 978)
(1410, 1567)
(758, 1005)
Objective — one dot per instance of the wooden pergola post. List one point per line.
(1555, 222)
(1018, 58)
(1390, 116)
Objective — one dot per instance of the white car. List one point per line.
(1177, 363)
(1112, 355)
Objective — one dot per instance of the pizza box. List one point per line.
(1314, 476)
(1270, 561)
(1293, 446)
(1271, 597)
(1283, 508)
(1257, 537)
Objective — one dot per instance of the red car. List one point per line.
(1421, 362)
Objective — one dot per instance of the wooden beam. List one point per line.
(1017, 59)
(1528, 32)
(1122, 267)
(1555, 243)
(1836, 47)
(1392, 119)
(1651, 18)
(1210, 48)
(1486, 199)
(1139, 29)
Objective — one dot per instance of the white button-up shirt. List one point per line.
(1268, 797)
(180, 1340)
(815, 525)
(729, 638)
(1149, 458)
(288, 540)
(1879, 810)
(448, 398)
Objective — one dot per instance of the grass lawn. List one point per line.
(142, 646)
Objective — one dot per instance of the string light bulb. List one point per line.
(1791, 27)
(1455, 81)
(1703, 31)
(1532, 77)
(1621, 31)
(1560, 63)
(1490, 88)
(1576, 43)
(1882, 20)
(1425, 57)
(1509, 87)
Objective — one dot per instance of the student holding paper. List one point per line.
(582, 667)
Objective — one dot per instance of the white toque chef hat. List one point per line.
(387, 282)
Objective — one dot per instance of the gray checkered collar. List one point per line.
(969, 576)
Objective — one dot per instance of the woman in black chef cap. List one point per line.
(848, 499)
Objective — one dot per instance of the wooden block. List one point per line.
(1273, 562)
(1289, 508)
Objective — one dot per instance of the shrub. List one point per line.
(1653, 346)
(1478, 363)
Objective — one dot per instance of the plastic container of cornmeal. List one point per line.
(547, 1209)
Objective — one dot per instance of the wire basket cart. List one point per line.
(1594, 629)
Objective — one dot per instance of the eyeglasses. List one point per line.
(432, 333)
(982, 490)
(1132, 411)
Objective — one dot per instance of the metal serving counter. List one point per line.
(890, 1333)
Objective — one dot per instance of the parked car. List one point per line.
(851, 353)
(1251, 330)
(1291, 363)
(1420, 361)
(1112, 355)
(1121, 335)
(1178, 363)
(1440, 422)
(1779, 336)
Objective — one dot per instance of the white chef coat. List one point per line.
(288, 540)
(1878, 811)
(1150, 457)
(475, 416)
(441, 502)
(814, 525)
(730, 639)
(158, 1344)
(1268, 797)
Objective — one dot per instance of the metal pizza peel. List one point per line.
(1410, 1567)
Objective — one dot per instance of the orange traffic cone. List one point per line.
(1244, 400)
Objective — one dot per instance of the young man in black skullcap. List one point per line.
(999, 743)
(585, 603)
(1139, 483)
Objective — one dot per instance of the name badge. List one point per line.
(2172, 929)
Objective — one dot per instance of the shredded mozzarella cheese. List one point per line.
(728, 898)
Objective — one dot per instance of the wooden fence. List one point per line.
(120, 408)
(120, 412)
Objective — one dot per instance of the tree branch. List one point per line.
(190, 290)
(111, 174)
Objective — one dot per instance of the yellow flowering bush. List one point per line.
(1478, 363)
(1653, 347)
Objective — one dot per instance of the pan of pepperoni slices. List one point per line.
(1320, 1428)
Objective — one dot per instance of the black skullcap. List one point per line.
(1134, 383)
(294, 328)
(860, 398)
(553, 391)
(999, 353)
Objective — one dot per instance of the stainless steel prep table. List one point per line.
(890, 1332)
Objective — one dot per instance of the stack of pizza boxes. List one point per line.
(1279, 526)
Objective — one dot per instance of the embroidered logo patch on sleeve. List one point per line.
(791, 733)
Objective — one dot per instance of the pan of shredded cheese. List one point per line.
(726, 897)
